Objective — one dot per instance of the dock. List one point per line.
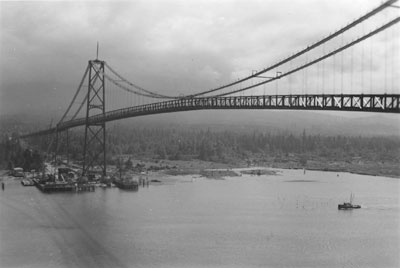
(63, 187)
(53, 186)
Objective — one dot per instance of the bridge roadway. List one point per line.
(383, 103)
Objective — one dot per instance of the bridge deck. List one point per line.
(382, 103)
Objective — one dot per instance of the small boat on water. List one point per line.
(349, 205)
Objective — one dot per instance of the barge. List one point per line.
(126, 184)
(48, 187)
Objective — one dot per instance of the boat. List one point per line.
(349, 205)
(126, 184)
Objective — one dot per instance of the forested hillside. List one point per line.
(379, 154)
(229, 145)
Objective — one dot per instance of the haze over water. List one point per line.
(288, 220)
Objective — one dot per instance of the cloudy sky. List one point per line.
(173, 47)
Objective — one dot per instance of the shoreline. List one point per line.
(359, 170)
(209, 169)
(214, 170)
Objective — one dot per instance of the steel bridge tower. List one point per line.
(94, 152)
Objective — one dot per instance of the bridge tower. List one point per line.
(94, 152)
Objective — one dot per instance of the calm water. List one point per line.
(290, 220)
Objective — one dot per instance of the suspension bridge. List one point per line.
(344, 71)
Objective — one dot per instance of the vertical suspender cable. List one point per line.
(386, 55)
(394, 56)
(289, 80)
(334, 74)
(306, 78)
(341, 67)
(351, 69)
(318, 80)
(362, 62)
(370, 67)
(323, 70)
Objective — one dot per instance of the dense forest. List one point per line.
(14, 154)
(229, 145)
(226, 146)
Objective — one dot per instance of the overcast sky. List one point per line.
(174, 47)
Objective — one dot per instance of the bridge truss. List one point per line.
(378, 103)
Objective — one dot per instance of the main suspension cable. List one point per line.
(151, 93)
(307, 49)
(139, 90)
(135, 91)
(372, 33)
(76, 94)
